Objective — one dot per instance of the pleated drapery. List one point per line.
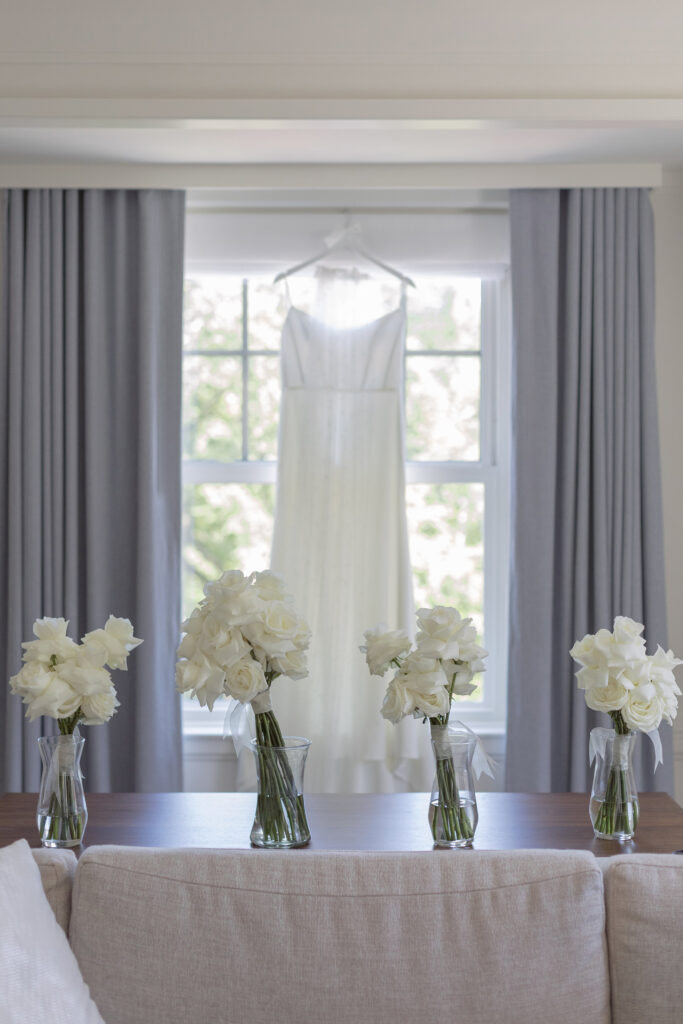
(90, 379)
(587, 519)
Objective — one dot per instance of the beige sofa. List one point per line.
(230, 937)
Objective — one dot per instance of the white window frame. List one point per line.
(492, 469)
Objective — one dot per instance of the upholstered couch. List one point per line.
(228, 937)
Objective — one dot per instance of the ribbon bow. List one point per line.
(239, 720)
(600, 735)
(458, 732)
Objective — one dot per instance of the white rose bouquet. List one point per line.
(70, 682)
(636, 690)
(428, 677)
(238, 640)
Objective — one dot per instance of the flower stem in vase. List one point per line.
(449, 820)
(280, 806)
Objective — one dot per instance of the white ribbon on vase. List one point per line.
(239, 722)
(600, 735)
(458, 732)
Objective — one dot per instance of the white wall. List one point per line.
(668, 207)
(85, 49)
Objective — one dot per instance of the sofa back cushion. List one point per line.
(57, 869)
(644, 900)
(164, 937)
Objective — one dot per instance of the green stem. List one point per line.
(279, 807)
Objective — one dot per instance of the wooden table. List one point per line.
(507, 821)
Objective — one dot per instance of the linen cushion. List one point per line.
(248, 937)
(57, 869)
(39, 976)
(644, 900)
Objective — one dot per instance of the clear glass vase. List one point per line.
(62, 812)
(614, 798)
(280, 819)
(453, 806)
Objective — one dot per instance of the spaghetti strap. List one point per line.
(287, 294)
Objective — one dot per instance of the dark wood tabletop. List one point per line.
(386, 822)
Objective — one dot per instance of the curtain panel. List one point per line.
(586, 493)
(90, 386)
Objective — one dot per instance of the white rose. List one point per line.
(31, 680)
(425, 684)
(98, 708)
(245, 680)
(424, 673)
(460, 677)
(221, 645)
(592, 678)
(232, 600)
(430, 703)
(585, 652)
(627, 631)
(610, 697)
(116, 639)
(270, 587)
(84, 678)
(58, 700)
(278, 630)
(233, 581)
(474, 654)
(293, 665)
(52, 642)
(441, 632)
(383, 646)
(661, 670)
(194, 625)
(669, 706)
(643, 709)
(397, 701)
(203, 680)
(187, 647)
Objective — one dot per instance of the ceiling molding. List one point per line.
(50, 111)
(276, 177)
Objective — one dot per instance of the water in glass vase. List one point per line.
(453, 825)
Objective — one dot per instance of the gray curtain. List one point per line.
(90, 372)
(587, 519)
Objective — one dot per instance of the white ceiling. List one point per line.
(345, 141)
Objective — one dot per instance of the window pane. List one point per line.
(444, 314)
(446, 531)
(264, 406)
(212, 312)
(225, 526)
(442, 407)
(212, 407)
(266, 311)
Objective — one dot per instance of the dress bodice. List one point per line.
(364, 358)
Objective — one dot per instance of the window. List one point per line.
(456, 408)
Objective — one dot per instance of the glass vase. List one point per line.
(453, 805)
(62, 812)
(280, 819)
(614, 798)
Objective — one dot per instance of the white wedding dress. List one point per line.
(340, 542)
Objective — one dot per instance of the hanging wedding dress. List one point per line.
(340, 542)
